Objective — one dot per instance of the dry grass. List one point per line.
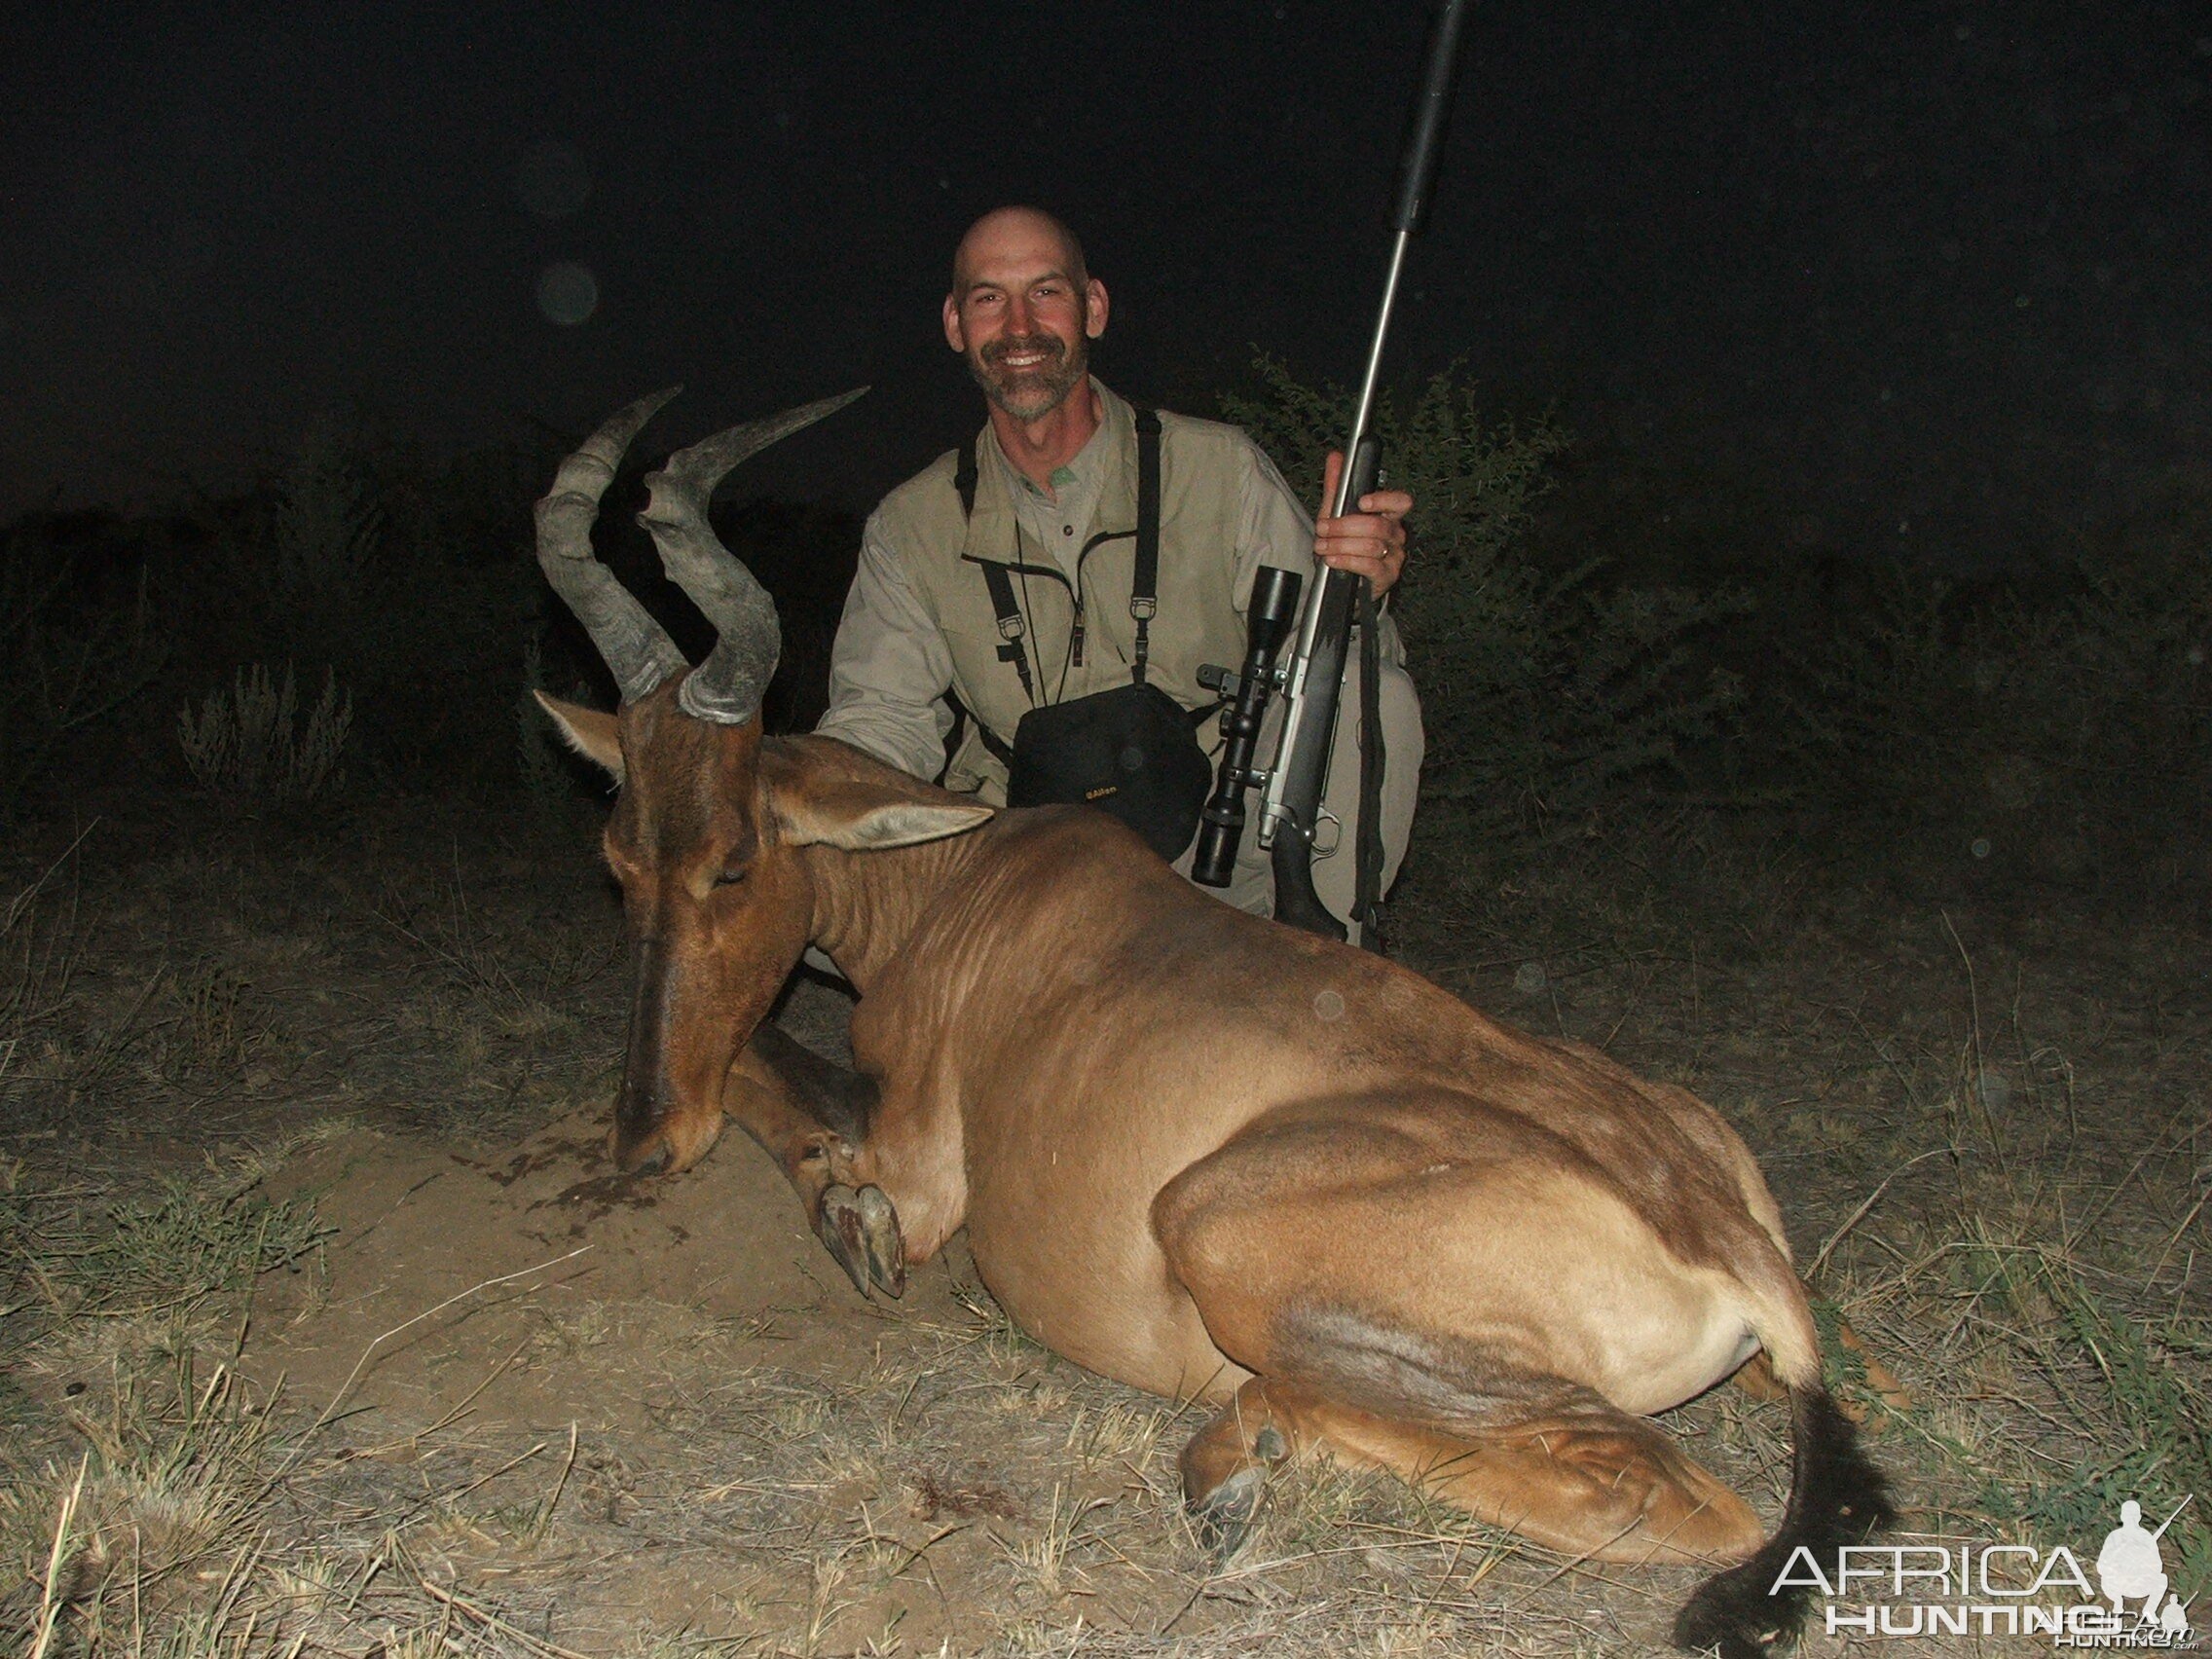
(186, 1519)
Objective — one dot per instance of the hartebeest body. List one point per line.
(1193, 1149)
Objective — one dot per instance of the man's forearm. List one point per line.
(889, 668)
(891, 732)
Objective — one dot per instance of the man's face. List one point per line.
(1021, 318)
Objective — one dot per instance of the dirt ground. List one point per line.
(485, 1397)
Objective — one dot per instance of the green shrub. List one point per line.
(551, 775)
(171, 1250)
(249, 745)
(1544, 693)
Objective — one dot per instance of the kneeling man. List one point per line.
(1006, 574)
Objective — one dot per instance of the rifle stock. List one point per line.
(1309, 724)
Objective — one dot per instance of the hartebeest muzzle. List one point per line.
(646, 1106)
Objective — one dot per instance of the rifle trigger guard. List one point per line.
(1328, 833)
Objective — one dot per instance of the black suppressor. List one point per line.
(1266, 624)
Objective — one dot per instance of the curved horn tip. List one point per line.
(584, 474)
(820, 408)
(705, 463)
(655, 402)
(627, 422)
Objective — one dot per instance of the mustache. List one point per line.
(998, 350)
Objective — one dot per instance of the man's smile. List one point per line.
(1028, 354)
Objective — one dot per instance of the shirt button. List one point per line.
(1067, 530)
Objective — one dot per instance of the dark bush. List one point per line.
(1545, 693)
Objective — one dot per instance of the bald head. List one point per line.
(1023, 310)
(1028, 235)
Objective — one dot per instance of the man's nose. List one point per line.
(1019, 320)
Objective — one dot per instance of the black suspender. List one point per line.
(1144, 581)
(1003, 606)
(1010, 626)
(964, 478)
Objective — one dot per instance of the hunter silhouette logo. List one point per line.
(2006, 1589)
(2131, 1569)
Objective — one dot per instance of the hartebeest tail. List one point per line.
(1837, 1497)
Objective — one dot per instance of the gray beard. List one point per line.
(1039, 392)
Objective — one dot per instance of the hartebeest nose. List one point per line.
(644, 1098)
(669, 1111)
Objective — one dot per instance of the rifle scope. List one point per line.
(1267, 624)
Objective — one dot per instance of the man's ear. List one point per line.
(955, 336)
(1094, 307)
(861, 816)
(590, 734)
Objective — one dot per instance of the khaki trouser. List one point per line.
(1252, 885)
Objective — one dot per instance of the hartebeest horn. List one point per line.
(726, 688)
(640, 654)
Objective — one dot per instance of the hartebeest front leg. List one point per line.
(811, 1116)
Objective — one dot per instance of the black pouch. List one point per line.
(1132, 752)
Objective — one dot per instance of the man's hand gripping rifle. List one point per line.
(1312, 680)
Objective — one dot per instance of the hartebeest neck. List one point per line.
(866, 904)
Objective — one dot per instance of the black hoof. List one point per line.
(837, 1226)
(860, 1229)
(1223, 1518)
(879, 1236)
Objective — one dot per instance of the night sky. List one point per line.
(1933, 266)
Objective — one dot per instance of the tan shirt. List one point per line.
(892, 665)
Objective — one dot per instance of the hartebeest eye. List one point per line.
(731, 877)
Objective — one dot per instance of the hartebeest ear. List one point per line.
(591, 733)
(862, 816)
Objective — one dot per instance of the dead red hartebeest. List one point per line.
(1193, 1149)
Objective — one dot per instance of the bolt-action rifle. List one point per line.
(1312, 680)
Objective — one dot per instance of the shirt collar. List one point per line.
(1086, 474)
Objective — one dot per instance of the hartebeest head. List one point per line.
(704, 838)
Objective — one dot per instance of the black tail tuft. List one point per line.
(1836, 1497)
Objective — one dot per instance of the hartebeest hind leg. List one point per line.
(809, 1114)
(1443, 1297)
(1581, 1477)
